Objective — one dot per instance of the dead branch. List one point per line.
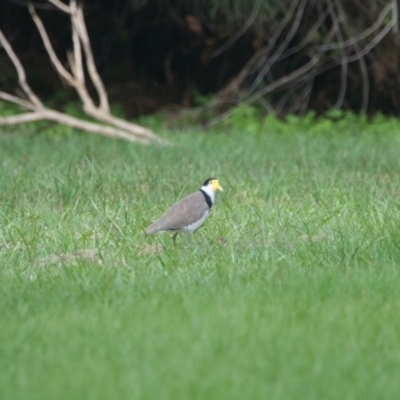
(281, 48)
(16, 100)
(326, 49)
(395, 16)
(343, 59)
(60, 5)
(73, 122)
(239, 33)
(32, 98)
(363, 35)
(80, 58)
(281, 83)
(365, 80)
(256, 61)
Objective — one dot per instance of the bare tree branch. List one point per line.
(343, 59)
(363, 35)
(61, 118)
(79, 23)
(16, 100)
(114, 127)
(258, 59)
(20, 71)
(395, 16)
(281, 48)
(279, 83)
(308, 37)
(239, 33)
(60, 5)
(49, 48)
(371, 44)
(365, 79)
(76, 61)
(327, 49)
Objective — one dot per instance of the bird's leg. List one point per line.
(174, 237)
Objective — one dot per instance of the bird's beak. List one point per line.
(215, 185)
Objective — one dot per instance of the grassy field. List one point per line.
(289, 291)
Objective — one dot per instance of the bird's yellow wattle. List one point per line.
(216, 186)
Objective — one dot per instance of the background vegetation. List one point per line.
(284, 56)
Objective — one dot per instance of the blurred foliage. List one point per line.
(251, 120)
(246, 120)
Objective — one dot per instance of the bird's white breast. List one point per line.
(196, 225)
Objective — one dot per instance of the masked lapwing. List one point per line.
(190, 213)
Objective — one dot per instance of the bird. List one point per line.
(188, 214)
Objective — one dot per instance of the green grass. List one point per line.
(289, 291)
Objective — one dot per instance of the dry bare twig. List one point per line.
(325, 50)
(343, 60)
(79, 58)
(239, 33)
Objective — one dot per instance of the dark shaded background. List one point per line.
(155, 54)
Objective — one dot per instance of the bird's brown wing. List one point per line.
(186, 212)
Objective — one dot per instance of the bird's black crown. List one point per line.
(208, 181)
